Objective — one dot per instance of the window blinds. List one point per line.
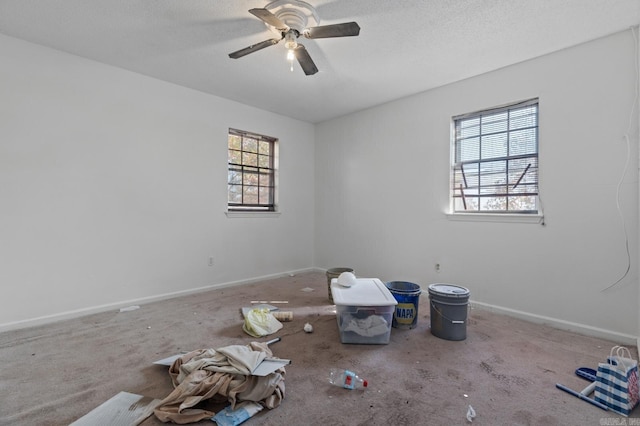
(495, 167)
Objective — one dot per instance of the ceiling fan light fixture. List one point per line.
(290, 58)
(290, 42)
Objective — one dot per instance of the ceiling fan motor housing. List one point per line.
(297, 15)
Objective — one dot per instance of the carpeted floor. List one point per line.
(506, 369)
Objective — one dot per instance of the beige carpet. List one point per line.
(506, 369)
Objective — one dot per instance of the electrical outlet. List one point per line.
(437, 267)
(211, 261)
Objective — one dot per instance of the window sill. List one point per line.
(234, 214)
(503, 218)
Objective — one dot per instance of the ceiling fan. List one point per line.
(289, 19)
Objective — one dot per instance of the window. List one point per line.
(495, 160)
(251, 172)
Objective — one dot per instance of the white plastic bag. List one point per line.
(260, 322)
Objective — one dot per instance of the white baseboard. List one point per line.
(620, 338)
(553, 322)
(32, 322)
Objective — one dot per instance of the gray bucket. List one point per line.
(408, 297)
(449, 308)
(334, 273)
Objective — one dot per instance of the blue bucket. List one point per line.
(408, 297)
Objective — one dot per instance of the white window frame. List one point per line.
(262, 171)
(501, 179)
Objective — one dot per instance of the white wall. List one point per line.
(113, 188)
(382, 181)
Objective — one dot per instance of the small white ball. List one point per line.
(308, 328)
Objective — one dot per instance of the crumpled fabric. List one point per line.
(373, 325)
(235, 359)
(222, 374)
(260, 322)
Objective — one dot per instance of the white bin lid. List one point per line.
(366, 292)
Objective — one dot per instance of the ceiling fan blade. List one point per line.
(347, 29)
(269, 18)
(253, 48)
(305, 60)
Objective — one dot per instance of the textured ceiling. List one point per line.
(404, 47)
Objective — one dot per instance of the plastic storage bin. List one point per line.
(364, 311)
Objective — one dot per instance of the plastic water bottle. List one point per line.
(346, 379)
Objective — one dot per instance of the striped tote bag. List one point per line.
(617, 381)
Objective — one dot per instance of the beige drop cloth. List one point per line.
(222, 374)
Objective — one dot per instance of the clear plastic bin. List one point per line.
(364, 311)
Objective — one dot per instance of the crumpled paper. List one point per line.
(260, 322)
(471, 414)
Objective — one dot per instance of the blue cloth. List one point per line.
(243, 411)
